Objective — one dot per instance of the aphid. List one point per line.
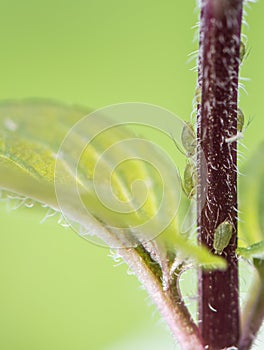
(190, 180)
(240, 120)
(188, 139)
(198, 95)
(242, 51)
(240, 126)
(222, 236)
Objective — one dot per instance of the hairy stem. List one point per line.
(169, 301)
(217, 169)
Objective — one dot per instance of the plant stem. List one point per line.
(217, 169)
(169, 302)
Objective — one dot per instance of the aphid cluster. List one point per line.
(224, 231)
(188, 138)
(240, 115)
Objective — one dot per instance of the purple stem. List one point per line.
(217, 166)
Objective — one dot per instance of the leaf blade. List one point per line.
(31, 135)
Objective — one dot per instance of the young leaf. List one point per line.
(253, 251)
(32, 132)
(42, 141)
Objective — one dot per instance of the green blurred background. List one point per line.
(57, 290)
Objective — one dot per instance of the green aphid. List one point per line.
(198, 95)
(242, 51)
(222, 236)
(188, 139)
(240, 120)
(190, 180)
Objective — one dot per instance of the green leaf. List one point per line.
(251, 199)
(42, 142)
(253, 251)
(32, 132)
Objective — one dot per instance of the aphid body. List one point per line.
(190, 179)
(242, 51)
(222, 236)
(198, 95)
(188, 139)
(240, 126)
(240, 120)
